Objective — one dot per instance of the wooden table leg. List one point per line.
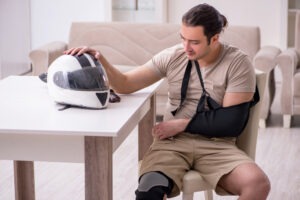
(98, 168)
(145, 129)
(24, 180)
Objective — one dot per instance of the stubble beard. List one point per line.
(194, 56)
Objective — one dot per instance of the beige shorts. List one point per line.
(213, 158)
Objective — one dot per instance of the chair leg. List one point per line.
(186, 196)
(262, 123)
(208, 195)
(287, 121)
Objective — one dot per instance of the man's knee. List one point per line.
(264, 184)
(258, 180)
(246, 179)
(153, 186)
(258, 184)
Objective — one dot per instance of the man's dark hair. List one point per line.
(206, 16)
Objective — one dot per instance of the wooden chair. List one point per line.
(192, 180)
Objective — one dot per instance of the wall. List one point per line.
(51, 19)
(28, 24)
(43, 21)
(148, 11)
(14, 37)
(266, 14)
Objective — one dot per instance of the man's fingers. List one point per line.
(78, 51)
(97, 55)
(68, 51)
(83, 50)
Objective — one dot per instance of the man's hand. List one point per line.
(169, 128)
(84, 49)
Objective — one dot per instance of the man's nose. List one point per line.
(187, 46)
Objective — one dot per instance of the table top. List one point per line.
(26, 108)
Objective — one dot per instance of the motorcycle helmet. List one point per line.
(78, 81)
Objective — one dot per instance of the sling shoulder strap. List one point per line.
(184, 87)
(205, 97)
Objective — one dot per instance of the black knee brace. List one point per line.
(155, 193)
(153, 186)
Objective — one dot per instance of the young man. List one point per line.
(228, 77)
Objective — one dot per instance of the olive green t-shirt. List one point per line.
(231, 72)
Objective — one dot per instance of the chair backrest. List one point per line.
(125, 43)
(246, 38)
(247, 140)
(297, 32)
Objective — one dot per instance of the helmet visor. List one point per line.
(85, 79)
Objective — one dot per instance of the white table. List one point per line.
(32, 129)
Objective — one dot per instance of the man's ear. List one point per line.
(215, 38)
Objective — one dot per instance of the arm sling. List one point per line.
(215, 120)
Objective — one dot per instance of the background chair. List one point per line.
(192, 180)
(289, 63)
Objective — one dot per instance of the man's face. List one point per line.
(194, 41)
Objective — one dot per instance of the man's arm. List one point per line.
(123, 83)
(235, 98)
(131, 81)
(173, 127)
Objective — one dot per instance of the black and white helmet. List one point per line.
(78, 81)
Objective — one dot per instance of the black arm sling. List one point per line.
(215, 120)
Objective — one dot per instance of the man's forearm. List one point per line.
(117, 79)
(169, 128)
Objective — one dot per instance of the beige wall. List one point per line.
(14, 36)
(51, 19)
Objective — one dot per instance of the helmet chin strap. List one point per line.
(43, 77)
(64, 107)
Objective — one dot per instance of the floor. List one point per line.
(278, 152)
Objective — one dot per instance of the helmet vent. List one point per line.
(102, 97)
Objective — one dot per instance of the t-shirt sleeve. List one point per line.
(241, 76)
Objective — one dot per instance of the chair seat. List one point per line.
(193, 181)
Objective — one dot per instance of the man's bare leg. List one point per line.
(248, 181)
